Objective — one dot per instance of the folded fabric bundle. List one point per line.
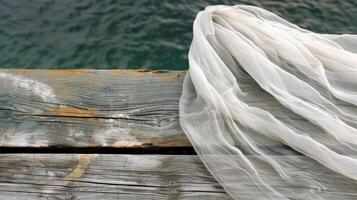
(270, 107)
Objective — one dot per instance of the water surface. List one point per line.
(121, 34)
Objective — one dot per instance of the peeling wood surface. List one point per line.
(108, 176)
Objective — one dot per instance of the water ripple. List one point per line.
(132, 34)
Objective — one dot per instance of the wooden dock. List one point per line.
(104, 134)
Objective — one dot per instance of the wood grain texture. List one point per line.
(105, 176)
(101, 108)
(86, 108)
(108, 176)
(91, 108)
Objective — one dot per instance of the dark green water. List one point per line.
(132, 34)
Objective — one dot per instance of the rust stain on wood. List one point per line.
(61, 72)
(132, 73)
(83, 163)
(169, 76)
(75, 112)
(69, 75)
(116, 73)
(137, 73)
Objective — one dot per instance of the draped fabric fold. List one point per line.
(264, 100)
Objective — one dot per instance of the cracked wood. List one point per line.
(97, 108)
(109, 176)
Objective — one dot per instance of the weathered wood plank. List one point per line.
(109, 176)
(105, 176)
(91, 108)
(100, 108)
(118, 108)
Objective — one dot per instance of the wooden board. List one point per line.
(86, 108)
(95, 108)
(108, 176)
(92, 108)
(105, 176)
(114, 109)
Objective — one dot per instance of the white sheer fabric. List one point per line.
(271, 108)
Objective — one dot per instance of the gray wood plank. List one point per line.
(109, 176)
(105, 176)
(91, 108)
(99, 108)
(117, 108)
